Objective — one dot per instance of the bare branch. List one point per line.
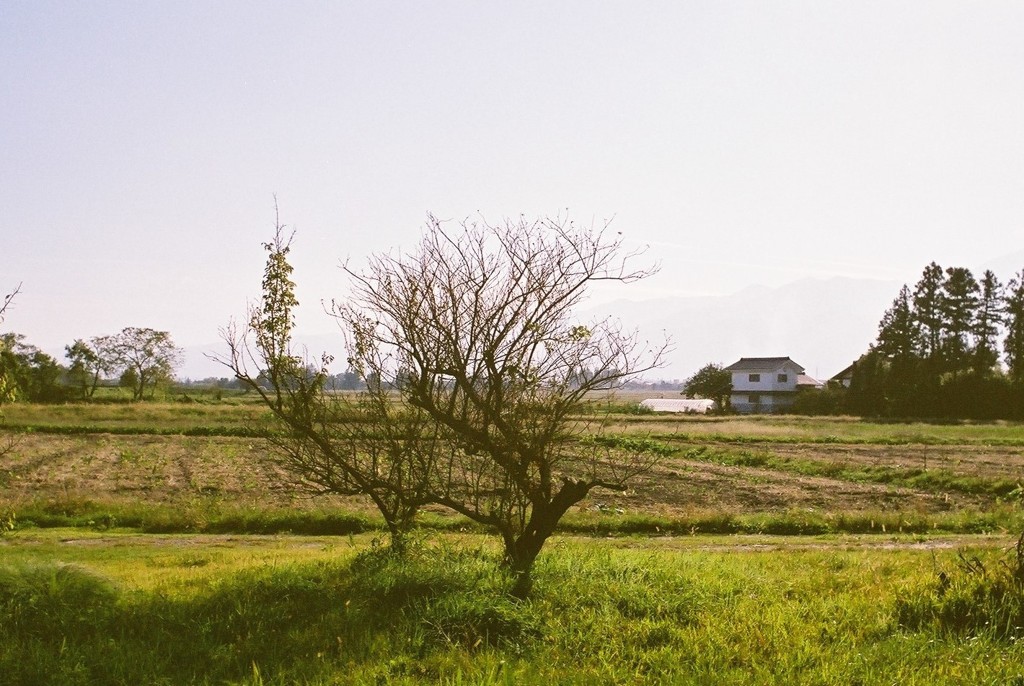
(8, 299)
(476, 329)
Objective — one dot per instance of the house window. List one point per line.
(783, 378)
(753, 377)
(754, 399)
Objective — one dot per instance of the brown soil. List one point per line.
(178, 469)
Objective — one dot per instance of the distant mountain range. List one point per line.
(1005, 267)
(822, 324)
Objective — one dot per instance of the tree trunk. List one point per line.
(522, 551)
(519, 559)
(399, 541)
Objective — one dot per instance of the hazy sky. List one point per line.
(141, 143)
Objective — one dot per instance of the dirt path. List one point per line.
(713, 543)
(758, 544)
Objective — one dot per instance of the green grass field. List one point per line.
(130, 609)
(154, 544)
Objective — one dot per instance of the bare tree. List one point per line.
(8, 299)
(8, 443)
(329, 443)
(477, 329)
(8, 383)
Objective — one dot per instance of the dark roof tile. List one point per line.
(764, 364)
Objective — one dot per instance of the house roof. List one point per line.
(846, 373)
(760, 364)
(809, 381)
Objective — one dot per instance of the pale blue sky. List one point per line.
(747, 142)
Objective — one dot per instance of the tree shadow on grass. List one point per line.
(60, 624)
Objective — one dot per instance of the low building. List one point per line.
(764, 384)
(845, 377)
(679, 405)
(804, 382)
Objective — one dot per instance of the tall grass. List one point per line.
(197, 515)
(444, 615)
(978, 596)
(213, 516)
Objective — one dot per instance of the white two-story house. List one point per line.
(763, 384)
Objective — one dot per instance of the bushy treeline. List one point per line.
(951, 347)
(135, 358)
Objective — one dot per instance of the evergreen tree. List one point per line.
(958, 304)
(928, 295)
(1013, 345)
(866, 395)
(987, 320)
(897, 333)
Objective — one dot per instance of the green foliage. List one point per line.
(978, 597)
(27, 373)
(598, 615)
(987, 321)
(1013, 344)
(712, 382)
(937, 352)
(639, 445)
(8, 521)
(819, 402)
(208, 516)
(935, 480)
(196, 516)
(146, 358)
(898, 335)
(46, 602)
(88, 362)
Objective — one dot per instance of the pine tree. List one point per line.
(958, 305)
(988, 318)
(1013, 345)
(928, 295)
(897, 333)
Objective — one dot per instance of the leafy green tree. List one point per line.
(711, 382)
(146, 357)
(329, 443)
(1013, 344)
(272, 322)
(129, 379)
(29, 373)
(88, 362)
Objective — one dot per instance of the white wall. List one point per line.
(768, 382)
